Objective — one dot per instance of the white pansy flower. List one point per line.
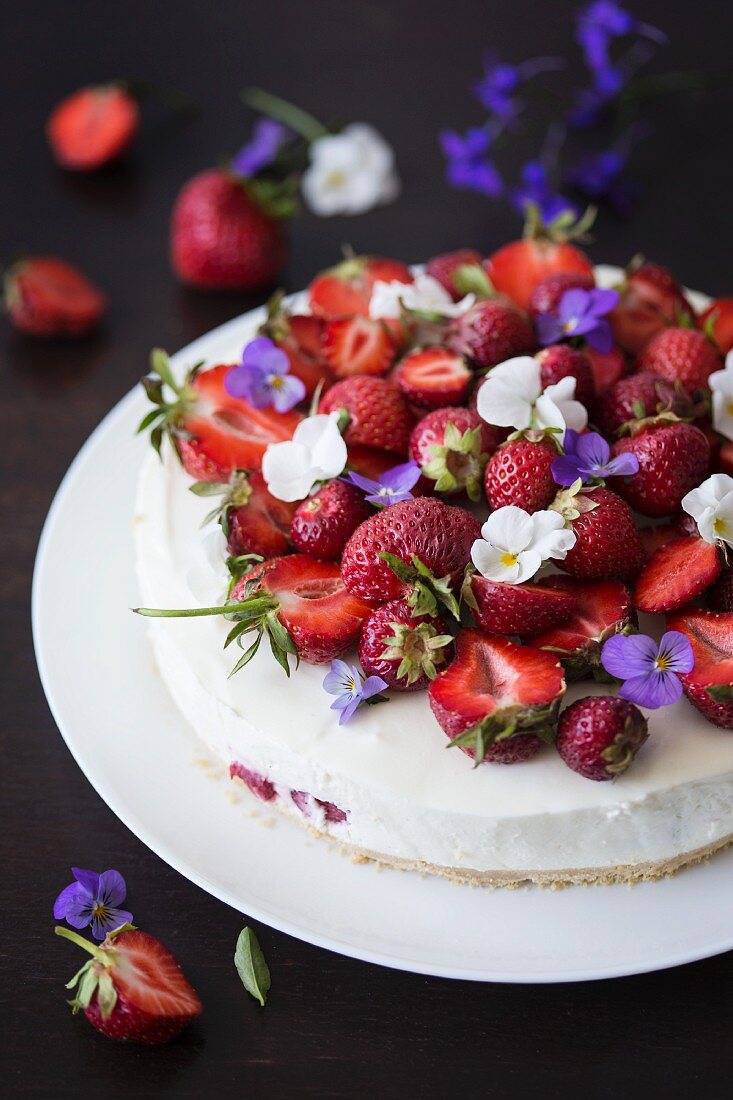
(350, 172)
(424, 295)
(711, 506)
(511, 396)
(721, 383)
(316, 452)
(514, 544)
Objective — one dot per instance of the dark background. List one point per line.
(333, 1027)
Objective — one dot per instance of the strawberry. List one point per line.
(426, 537)
(651, 299)
(323, 524)
(450, 445)
(522, 609)
(45, 296)
(676, 574)
(720, 596)
(378, 415)
(301, 338)
(213, 432)
(718, 320)
(433, 378)
(652, 538)
(447, 268)
(548, 294)
(92, 127)
(221, 238)
(607, 367)
(252, 519)
(633, 398)
(369, 461)
(562, 361)
(519, 267)
(598, 737)
(673, 457)
(709, 686)
(260, 787)
(601, 608)
(358, 345)
(347, 288)
(491, 332)
(132, 988)
(681, 355)
(520, 473)
(497, 701)
(607, 543)
(402, 647)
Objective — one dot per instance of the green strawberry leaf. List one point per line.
(251, 965)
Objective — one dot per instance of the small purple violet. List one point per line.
(468, 165)
(392, 487)
(495, 90)
(535, 188)
(649, 670)
(262, 148)
(263, 378)
(580, 313)
(588, 457)
(345, 682)
(93, 899)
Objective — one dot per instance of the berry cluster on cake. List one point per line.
(494, 494)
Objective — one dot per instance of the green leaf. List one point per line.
(472, 279)
(248, 653)
(208, 488)
(251, 965)
(721, 693)
(160, 365)
(153, 386)
(149, 419)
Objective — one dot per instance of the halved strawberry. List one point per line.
(602, 608)
(709, 686)
(46, 296)
(358, 345)
(718, 317)
(522, 609)
(92, 127)
(347, 288)
(676, 574)
(497, 701)
(433, 378)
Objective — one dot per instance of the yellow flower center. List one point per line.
(98, 910)
(720, 527)
(337, 178)
(730, 408)
(276, 381)
(662, 662)
(508, 559)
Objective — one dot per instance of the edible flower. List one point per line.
(316, 452)
(424, 295)
(350, 172)
(345, 682)
(261, 150)
(93, 899)
(597, 176)
(721, 383)
(263, 377)
(535, 190)
(588, 457)
(711, 506)
(468, 164)
(391, 487)
(649, 670)
(495, 90)
(511, 396)
(580, 313)
(514, 544)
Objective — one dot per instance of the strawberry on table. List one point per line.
(491, 332)
(676, 574)
(451, 448)
(599, 737)
(432, 378)
(378, 415)
(46, 296)
(323, 524)
(633, 398)
(673, 458)
(358, 345)
(709, 686)
(346, 289)
(684, 355)
(403, 648)
(520, 473)
(651, 299)
(92, 127)
(523, 609)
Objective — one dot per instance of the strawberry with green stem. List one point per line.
(451, 447)
(254, 522)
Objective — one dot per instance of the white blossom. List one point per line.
(711, 506)
(721, 383)
(350, 172)
(424, 295)
(316, 452)
(514, 544)
(511, 396)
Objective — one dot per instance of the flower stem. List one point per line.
(78, 940)
(272, 105)
(263, 603)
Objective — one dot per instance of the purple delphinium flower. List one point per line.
(588, 457)
(535, 188)
(495, 90)
(263, 378)
(93, 899)
(391, 487)
(262, 148)
(600, 22)
(344, 681)
(649, 670)
(580, 313)
(590, 103)
(468, 164)
(596, 176)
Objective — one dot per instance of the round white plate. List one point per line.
(139, 754)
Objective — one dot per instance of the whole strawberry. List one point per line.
(451, 447)
(607, 366)
(323, 523)
(520, 473)
(673, 457)
(252, 519)
(562, 361)
(45, 296)
(92, 127)
(547, 295)
(491, 332)
(446, 268)
(683, 355)
(378, 415)
(598, 737)
(403, 648)
(607, 543)
(651, 299)
(221, 238)
(633, 398)
(517, 268)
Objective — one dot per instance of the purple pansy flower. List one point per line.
(391, 487)
(263, 378)
(580, 313)
(93, 899)
(495, 90)
(262, 148)
(649, 670)
(535, 188)
(588, 457)
(344, 681)
(468, 164)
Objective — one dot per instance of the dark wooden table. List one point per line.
(333, 1027)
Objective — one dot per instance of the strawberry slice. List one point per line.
(358, 345)
(347, 288)
(676, 574)
(522, 609)
(709, 686)
(602, 608)
(653, 538)
(303, 345)
(498, 701)
(433, 378)
(718, 318)
(92, 127)
(46, 296)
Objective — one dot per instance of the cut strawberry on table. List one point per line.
(132, 988)
(497, 701)
(709, 686)
(46, 296)
(601, 608)
(676, 574)
(347, 288)
(433, 378)
(378, 415)
(358, 345)
(522, 609)
(92, 127)
(651, 299)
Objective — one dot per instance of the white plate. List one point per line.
(138, 753)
